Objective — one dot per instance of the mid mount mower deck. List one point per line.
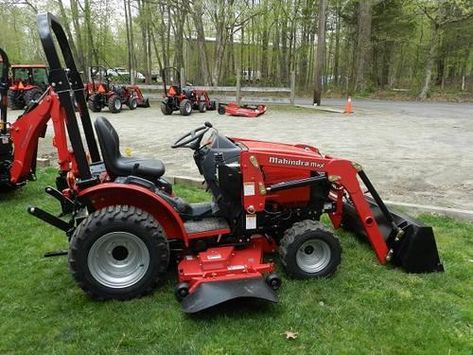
(125, 223)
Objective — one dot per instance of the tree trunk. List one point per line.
(78, 33)
(363, 45)
(430, 62)
(320, 57)
(336, 61)
(67, 29)
(201, 45)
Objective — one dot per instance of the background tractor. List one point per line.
(182, 99)
(101, 92)
(28, 82)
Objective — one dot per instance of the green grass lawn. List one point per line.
(364, 308)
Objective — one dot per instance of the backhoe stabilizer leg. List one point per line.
(50, 219)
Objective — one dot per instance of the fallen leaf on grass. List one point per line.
(290, 335)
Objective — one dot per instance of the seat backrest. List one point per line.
(109, 143)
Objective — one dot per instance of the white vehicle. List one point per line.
(125, 73)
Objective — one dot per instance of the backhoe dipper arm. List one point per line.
(27, 130)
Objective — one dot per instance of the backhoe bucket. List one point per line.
(414, 249)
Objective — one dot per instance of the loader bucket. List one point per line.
(415, 251)
(210, 294)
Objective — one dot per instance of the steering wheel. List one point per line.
(192, 139)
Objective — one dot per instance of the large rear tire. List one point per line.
(165, 109)
(15, 100)
(119, 252)
(114, 104)
(185, 107)
(31, 96)
(309, 249)
(94, 103)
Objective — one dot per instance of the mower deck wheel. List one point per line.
(202, 107)
(181, 290)
(114, 104)
(118, 252)
(309, 249)
(221, 109)
(165, 109)
(133, 103)
(274, 281)
(185, 107)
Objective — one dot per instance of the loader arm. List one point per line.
(342, 173)
(394, 237)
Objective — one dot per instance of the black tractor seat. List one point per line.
(118, 165)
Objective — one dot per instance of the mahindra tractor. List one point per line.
(125, 226)
(28, 83)
(101, 92)
(182, 98)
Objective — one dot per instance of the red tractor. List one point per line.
(102, 93)
(182, 99)
(125, 226)
(28, 83)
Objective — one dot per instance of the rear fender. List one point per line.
(109, 194)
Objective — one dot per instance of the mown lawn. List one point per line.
(364, 308)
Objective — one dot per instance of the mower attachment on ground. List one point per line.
(233, 109)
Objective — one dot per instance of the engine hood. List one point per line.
(300, 150)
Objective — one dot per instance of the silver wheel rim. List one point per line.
(118, 104)
(313, 256)
(188, 107)
(118, 260)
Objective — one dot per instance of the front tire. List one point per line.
(119, 252)
(309, 249)
(133, 103)
(114, 104)
(185, 107)
(202, 107)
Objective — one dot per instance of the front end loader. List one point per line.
(125, 226)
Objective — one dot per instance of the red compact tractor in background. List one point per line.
(182, 99)
(102, 93)
(125, 227)
(27, 84)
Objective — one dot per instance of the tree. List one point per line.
(320, 60)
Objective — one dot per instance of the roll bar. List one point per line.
(68, 85)
(4, 91)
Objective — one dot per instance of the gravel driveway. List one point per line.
(413, 152)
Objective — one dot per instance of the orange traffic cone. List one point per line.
(348, 106)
